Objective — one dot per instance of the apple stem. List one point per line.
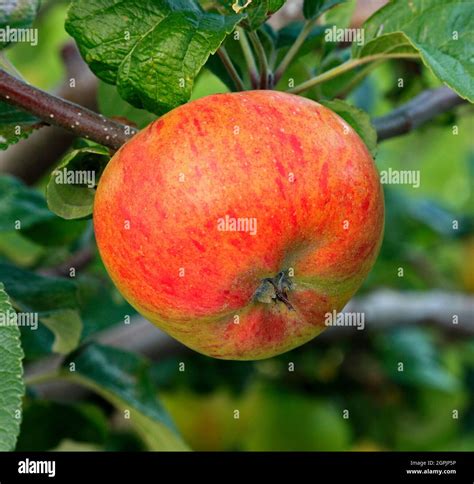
(273, 289)
(249, 57)
(230, 68)
(262, 59)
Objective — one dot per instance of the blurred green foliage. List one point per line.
(42, 65)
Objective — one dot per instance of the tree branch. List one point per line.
(84, 122)
(59, 112)
(385, 308)
(382, 309)
(31, 158)
(415, 112)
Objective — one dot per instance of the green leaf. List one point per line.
(57, 232)
(46, 424)
(12, 387)
(314, 8)
(69, 201)
(421, 366)
(275, 5)
(23, 210)
(256, 11)
(53, 299)
(19, 249)
(259, 10)
(102, 306)
(68, 445)
(288, 34)
(394, 43)
(441, 31)
(358, 119)
(16, 14)
(268, 37)
(152, 50)
(15, 125)
(20, 204)
(36, 344)
(297, 72)
(66, 325)
(341, 15)
(71, 188)
(123, 379)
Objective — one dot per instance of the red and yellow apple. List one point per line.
(237, 222)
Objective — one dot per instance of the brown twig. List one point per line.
(59, 112)
(382, 309)
(32, 157)
(86, 123)
(415, 112)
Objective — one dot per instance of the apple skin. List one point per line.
(289, 163)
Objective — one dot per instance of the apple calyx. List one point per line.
(274, 289)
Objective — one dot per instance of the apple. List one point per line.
(236, 222)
